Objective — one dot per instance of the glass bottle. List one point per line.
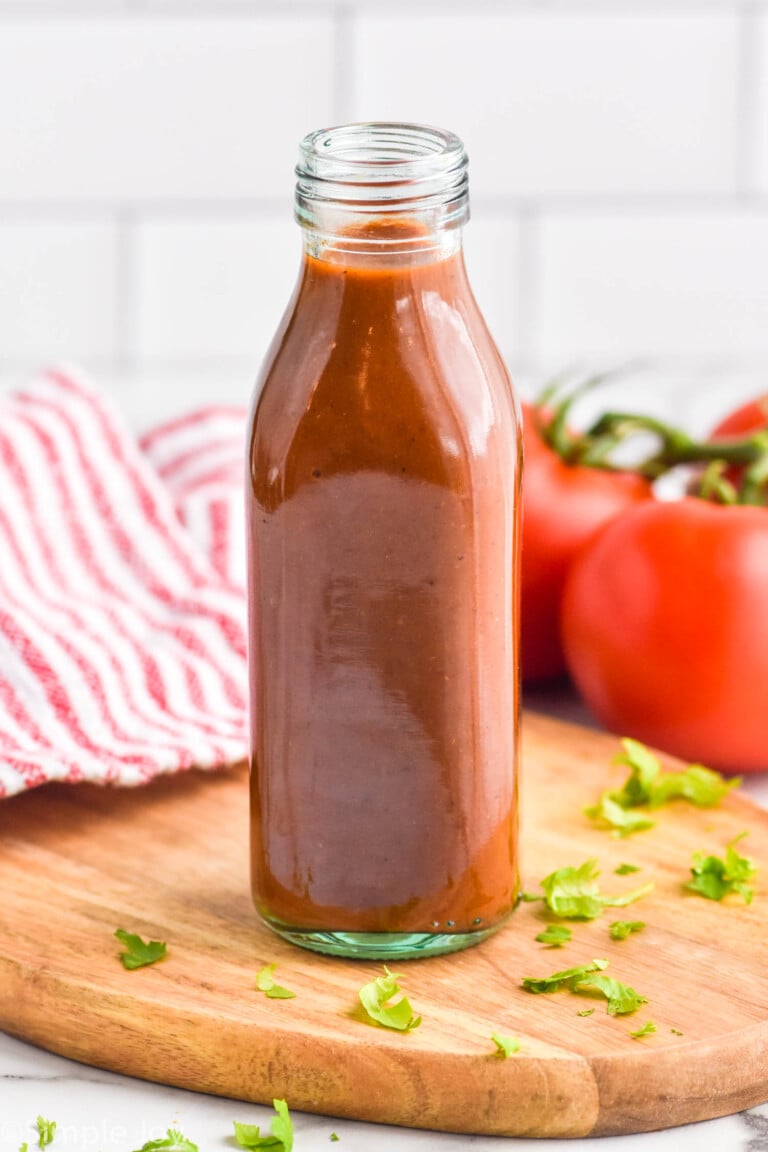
(383, 497)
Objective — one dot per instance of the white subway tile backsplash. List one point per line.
(57, 290)
(150, 396)
(619, 170)
(492, 253)
(559, 103)
(686, 284)
(148, 108)
(213, 289)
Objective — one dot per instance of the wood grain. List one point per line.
(170, 861)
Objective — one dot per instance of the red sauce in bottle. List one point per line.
(384, 472)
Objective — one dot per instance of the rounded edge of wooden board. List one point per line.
(685, 1085)
(384, 1082)
(559, 1095)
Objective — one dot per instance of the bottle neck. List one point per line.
(384, 243)
(390, 195)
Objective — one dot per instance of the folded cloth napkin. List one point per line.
(122, 601)
(199, 457)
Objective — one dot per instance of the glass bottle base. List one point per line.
(382, 945)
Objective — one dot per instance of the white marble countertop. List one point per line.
(96, 1111)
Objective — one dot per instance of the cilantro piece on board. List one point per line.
(622, 821)
(572, 893)
(555, 935)
(621, 998)
(565, 979)
(265, 983)
(505, 1045)
(375, 998)
(648, 786)
(647, 1029)
(621, 929)
(139, 952)
(715, 877)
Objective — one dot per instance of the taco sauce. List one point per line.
(383, 496)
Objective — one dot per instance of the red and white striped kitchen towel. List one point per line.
(122, 604)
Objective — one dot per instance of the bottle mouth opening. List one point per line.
(380, 167)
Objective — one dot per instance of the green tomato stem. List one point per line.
(594, 447)
(715, 486)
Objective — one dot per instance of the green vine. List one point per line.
(733, 471)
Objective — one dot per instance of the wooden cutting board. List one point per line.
(170, 861)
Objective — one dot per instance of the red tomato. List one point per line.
(748, 418)
(563, 506)
(665, 627)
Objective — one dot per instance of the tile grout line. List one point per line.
(267, 207)
(125, 289)
(216, 366)
(749, 52)
(343, 94)
(19, 10)
(14, 9)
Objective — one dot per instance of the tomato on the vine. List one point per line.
(564, 504)
(665, 628)
(747, 418)
(743, 421)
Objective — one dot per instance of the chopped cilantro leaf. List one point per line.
(698, 785)
(622, 821)
(173, 1141)
(627, 897)
(46, 1130)
(715, 878)
(568, 978)
(374, 998)
(505, 1045)
(266, 984)
(620, 997)
(248, 1135)
(646, 1030)
(572, 893)
(622, 1000)
(555, 935)
(139, 952)
(647, 786)
(644, 768)
(620, 929)
(626, 869)
(281, 1129)
(282, 1126)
